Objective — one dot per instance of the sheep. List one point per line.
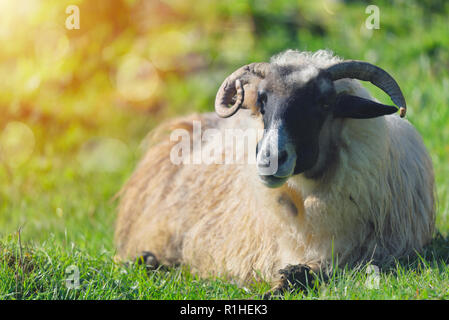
(353, 181)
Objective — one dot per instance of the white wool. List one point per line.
(319, 59)
(375, 199)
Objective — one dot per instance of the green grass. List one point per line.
(65, 210)
(49, 271)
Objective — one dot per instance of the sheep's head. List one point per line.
(294, 102)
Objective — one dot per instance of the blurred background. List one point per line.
(76, 104)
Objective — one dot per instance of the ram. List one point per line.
(337, 177)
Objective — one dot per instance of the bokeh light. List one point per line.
(167, 49)
(79, 101)
(51, 44)
(103, 155)
(137, 80)
(16, 144)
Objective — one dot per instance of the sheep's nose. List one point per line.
(274, 162)
(282, 157)
(267, 160)
(275, 154)
(263, 159)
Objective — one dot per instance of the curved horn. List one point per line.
(368, 72)
(233, 86)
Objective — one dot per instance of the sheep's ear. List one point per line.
(347, 106)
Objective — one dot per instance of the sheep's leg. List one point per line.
(148, 259)
(293, 277)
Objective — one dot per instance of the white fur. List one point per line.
(375, 199)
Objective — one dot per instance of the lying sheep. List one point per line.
(353, 182)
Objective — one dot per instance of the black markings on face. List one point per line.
(299, 101)
(284, 200)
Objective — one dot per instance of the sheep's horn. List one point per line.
(368, 72)
(233, 86)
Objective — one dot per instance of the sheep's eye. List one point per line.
(261, 100)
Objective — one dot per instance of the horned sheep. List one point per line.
(353, 181)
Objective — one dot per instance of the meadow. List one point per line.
(77, 104)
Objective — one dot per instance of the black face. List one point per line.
(294, 103)
(294, 107)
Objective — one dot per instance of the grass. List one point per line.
(56, 209)
(54, 270)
